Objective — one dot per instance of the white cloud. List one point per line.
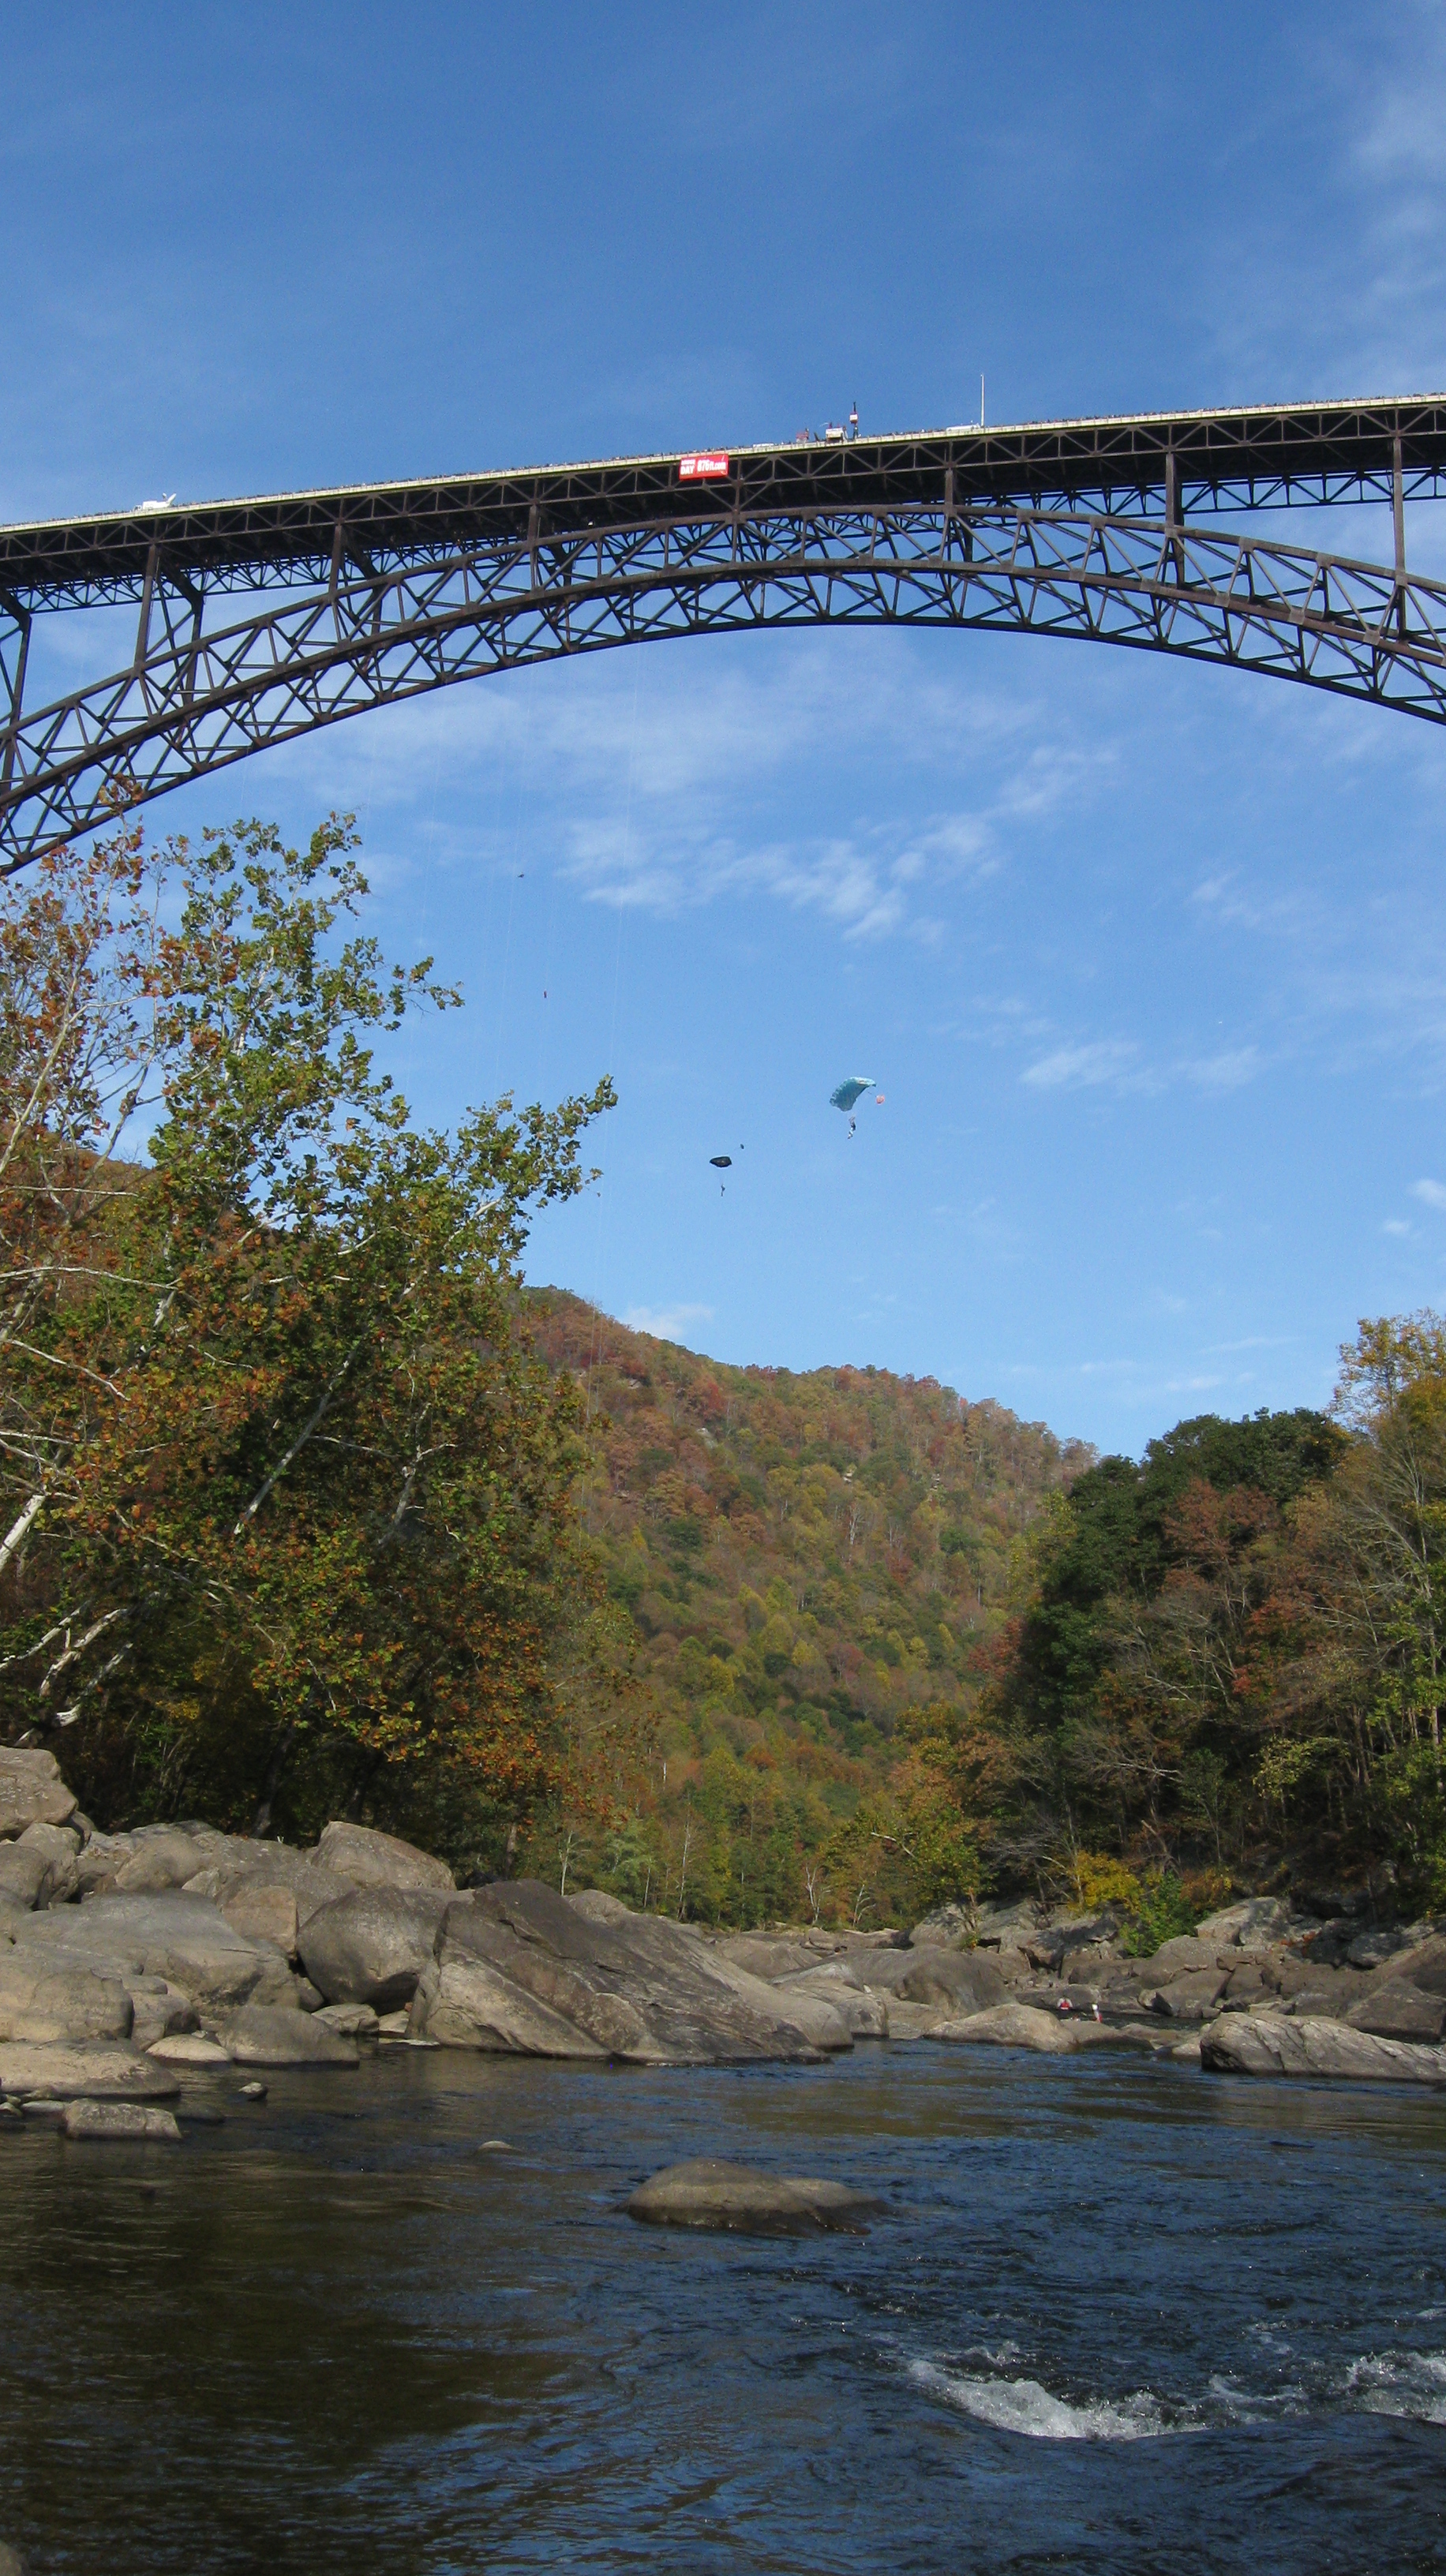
(1432, 1194)
(1224, 1072)
(666, 1323)
(1078, 1068)
(1395, 1225)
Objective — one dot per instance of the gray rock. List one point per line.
(371, 1946)
(40, 2002)
(1423, 1963)
(246, 1865)
(863, 2013)
(179, 1937)
(267, 2035)
(264, 1912)
(914, 2021)
(1013, 2025)
(104, 2070)
(160, 1861)
(1400, 2011)
(949, 1927)
(57, 1846)
(31, 1791)
(759, 1954)
(1369, 1949)
(1250, 1924)
(370, 1859)
(161, 2010)
(523, 1968)
(22, 1875)
(707, 2193)
(1183, 1957)
(1189, 1997)
(955, 1980)
(352, 2021)
(1257, 2044)
(189, 2048)
(126, 2120)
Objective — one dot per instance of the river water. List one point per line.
(1117, 2314)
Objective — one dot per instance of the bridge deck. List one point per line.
(1308, 452)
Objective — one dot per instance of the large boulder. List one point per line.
(1013, 2026)
(67, 2070)
(179, 1937)
(263, 1912)
(1250, 1924)
(31, 1791)
(244, 1867)
(371, 1946)
(520, 1959)
(957, 1981)
(41, 2002)
(864, 2012)
(366, 1858)
(760, 1954)
(58, 1846)
(23, 1873)
(1421, 1964)
(160, 1860)
(1189, 1997)
(1399, 2011)
(707, 2193)
(265, 2035)
(1259, 2044)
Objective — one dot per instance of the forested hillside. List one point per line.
(801, 1569)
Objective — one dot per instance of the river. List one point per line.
(1117, 2314)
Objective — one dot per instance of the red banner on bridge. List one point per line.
(702, 469)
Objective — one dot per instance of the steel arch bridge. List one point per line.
(261, 620)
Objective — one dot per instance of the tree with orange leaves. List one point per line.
(269, 1437)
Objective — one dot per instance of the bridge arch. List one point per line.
(1104, 532)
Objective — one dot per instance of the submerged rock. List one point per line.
(707, 2193)
(130, 2120)
(1257, 2044)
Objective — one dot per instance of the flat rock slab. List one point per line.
(707, 2193)
(271, 2035)
(181, 1938)
(119, 2120)
(103, 2071)
(1257, 2044)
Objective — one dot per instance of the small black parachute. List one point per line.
(721, 1162)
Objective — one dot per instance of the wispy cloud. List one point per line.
(667, 1323)
(1080, 1068)
(1432, 1194)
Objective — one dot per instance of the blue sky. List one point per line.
(1149, 963)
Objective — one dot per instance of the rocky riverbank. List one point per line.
(140, 1970)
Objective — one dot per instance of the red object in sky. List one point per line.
(702, 469)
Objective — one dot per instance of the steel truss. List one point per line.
(191, 702)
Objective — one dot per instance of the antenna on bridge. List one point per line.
(981, 398)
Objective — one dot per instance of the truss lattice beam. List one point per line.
(192, 702)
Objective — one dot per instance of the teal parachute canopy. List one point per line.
(850, 1091)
